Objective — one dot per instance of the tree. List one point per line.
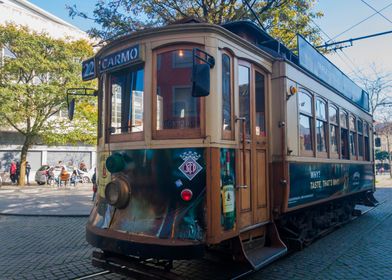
(384, 129)
(378, 84)
(281, 18)
(33, 83)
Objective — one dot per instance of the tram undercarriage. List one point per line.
(299, 229)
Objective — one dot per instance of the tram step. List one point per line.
(263, 251)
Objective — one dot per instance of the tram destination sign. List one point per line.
(320, 66)
(120, 58)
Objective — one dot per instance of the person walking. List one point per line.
(94, 181)
(28, 168)
(13, 172)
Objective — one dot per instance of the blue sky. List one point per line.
(338, 16)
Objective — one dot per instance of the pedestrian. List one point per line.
(82, 166)
(95, 186)
(28, 168)
(74, 178)
(13, 172)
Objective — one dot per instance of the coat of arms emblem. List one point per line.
(190, 167)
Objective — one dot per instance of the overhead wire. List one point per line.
(351, 67)
(367, 4)
(358, 23)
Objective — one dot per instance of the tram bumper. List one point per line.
(143, 247)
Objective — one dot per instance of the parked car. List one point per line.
(41, 175)
(85, 177)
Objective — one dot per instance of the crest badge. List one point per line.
(190, 167)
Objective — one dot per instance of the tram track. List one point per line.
(91, 276)
(207, 262)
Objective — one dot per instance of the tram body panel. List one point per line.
(240, 187)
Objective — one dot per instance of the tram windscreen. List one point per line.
(176, 108)
(127, 92)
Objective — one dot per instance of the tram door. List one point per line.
(253, 196)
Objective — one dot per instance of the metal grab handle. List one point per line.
(241, 187)
(243, 119)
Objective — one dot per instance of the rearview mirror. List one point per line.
(71, 109)
(200, 80)
(201, 72)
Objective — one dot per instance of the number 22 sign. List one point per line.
(88, 69)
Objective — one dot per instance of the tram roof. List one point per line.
(309, 60)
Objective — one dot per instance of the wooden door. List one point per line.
(252, 191)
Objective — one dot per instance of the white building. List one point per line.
(22, 12)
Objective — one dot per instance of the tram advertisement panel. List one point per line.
(227, 172)
(157, 206)
(315, 181)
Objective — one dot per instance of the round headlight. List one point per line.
(117, 193)
(115, 163)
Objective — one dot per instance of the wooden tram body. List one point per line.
(268, 155)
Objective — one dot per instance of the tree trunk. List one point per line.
(23, 157)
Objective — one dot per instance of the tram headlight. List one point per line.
(115, 163)
(117, 193)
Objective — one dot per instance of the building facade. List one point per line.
(24, 13)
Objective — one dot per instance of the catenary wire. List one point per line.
(371, 7)
(358, 23)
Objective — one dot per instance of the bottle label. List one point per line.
(228, 199)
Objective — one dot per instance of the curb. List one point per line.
(46, 215)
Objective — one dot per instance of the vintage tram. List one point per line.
(221, 138)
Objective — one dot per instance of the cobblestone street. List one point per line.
(38, 247)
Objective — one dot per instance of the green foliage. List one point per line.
(281, 18)
(381, 155)
(33, 86)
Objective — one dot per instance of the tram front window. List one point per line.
(127, 90)
(175, 106)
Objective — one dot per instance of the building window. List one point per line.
(344, 135)
(321, 126)
(305, 123)
(333, 131)
(227, 118)
(181, 59)
(353, 137)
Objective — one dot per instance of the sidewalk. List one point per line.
(46, 200)
(384, 180)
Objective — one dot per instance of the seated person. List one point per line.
(64, 176)
(74, 178)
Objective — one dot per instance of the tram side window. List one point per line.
(366, 140)
(344, 135)
(305, 123)
(127, 91)
(321, 126)
(176, 108)
(360, 138)
(333, 130)
(244, 93)
(227, 121)
(260, 105)
(353, 137)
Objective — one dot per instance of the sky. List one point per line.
(339, 15)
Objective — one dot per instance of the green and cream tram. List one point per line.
(220, 137)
